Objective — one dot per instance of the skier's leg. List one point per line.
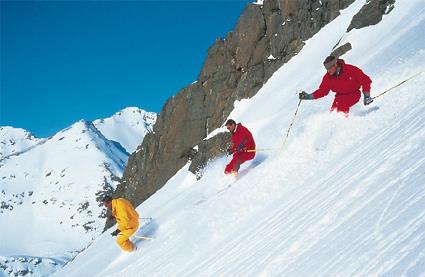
(341, 108)
(123, 239)
(233, 165)
(343, 103)
(238, 159)
(353, 99)
(249, 156)
(334, 106)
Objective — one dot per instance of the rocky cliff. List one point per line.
(265, 37)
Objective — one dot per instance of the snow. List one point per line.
(15, 140)
(344, 197)
(128, 127)
(216, 132)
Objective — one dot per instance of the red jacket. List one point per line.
(347, 82)
(242, 136)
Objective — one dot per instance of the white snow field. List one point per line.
(345, 196)
(15, 140)
(128, 127)
(49, 190)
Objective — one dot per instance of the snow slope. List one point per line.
(345, 197)
(49, 193)
(15, 140)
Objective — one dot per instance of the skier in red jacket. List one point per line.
(345, 80)
(243, 148)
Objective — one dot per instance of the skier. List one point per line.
(243, 148)
(127, 219)
(345, 80)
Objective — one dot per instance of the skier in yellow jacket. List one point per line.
(127, 219)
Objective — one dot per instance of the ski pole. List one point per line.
(290, 125)
(261, 149)
(286, 137)
(143, 237)
(140, 237)
(411, 77)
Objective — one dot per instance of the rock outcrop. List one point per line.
(371, 13)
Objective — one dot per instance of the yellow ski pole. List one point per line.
(139, 237)
(142, 237)
(260, 150)
(290, 125)
(286, 137)
(411, 77)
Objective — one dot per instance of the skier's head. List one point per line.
(231, 125)
(330, 64)
(107, 201)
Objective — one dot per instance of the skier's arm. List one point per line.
(323, 89)
(233, 148)
(363, 79)
(241, 145)
(122, 216)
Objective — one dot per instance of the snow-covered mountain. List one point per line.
(128, 127)
(15, 140)
(49, 192)
(344, 197)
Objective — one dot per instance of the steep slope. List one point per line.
(345, 197)
(50, 192)
(15, 140)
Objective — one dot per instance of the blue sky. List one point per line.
(62, 61)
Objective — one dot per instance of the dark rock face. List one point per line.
(208, 149)
(341, 50)
(236, 67)
(371, 13)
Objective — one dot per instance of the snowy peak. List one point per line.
(83, 135)
(128, 127)
(15, 140)
(75, 160)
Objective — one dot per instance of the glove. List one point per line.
(115, 233)
(367, 99)
(241, 147)
(305, 96)
(229, 151)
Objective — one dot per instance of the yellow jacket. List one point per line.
(125, 214)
